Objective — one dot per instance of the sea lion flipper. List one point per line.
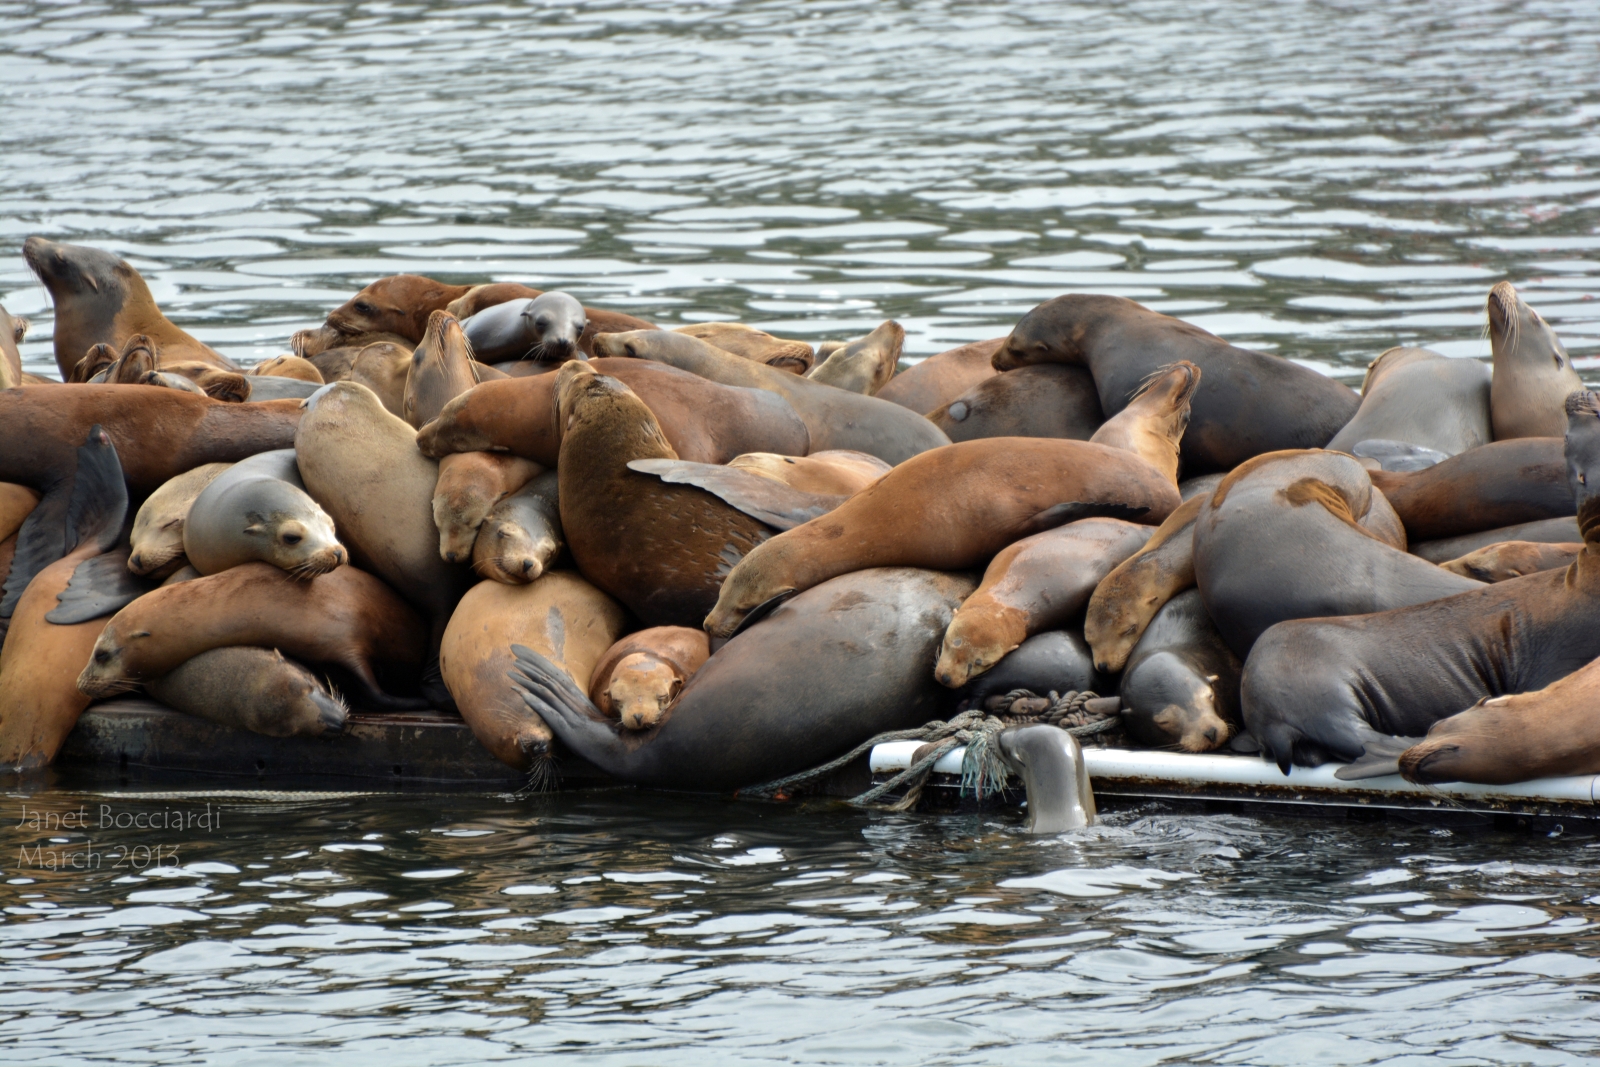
(778, 505)
(100, 586)
(1073, 510)
(550, 693)
(1380, 758)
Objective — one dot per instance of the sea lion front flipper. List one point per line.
(1380, 758)
(550, 693)
(101, 585)
(1072, 511)
(774, 503)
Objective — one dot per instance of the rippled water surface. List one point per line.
(1323, 180)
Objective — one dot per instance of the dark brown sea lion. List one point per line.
(1493, 485)
(1181, 686)
(470, 485)
(840, 471)
(157, 537)
(941, 378)
(1248, 403)
(1038, 583)
(545, 329)
(482, 297)
(568, 620)
(1423, 398)
(835, 418)
(345, 618)
(1320, 689)
(1560, 531)
(1300, 535)
(949, 509)
(99, 298)
(258, 509)
(641, 676)
(1532, 373)
(864, 365)
(441, 370)
(827, 670)
(1052, 661)
(796, 357)
(1050, 400)
(399, 304)
(1513, 559)
(704, 422)
(522, 537)
(255, 689)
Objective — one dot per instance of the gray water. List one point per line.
(1321, 180)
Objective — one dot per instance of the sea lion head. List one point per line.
(441, 370)
(76, 270)
(137, 360)
(1169, 704)
(626, 345)
(508, 553)
(754, 589)
(557, 321)
(1043, 335)
(975, 641)
(105, 674)
(642, 689)
(292, 532)
(398, 304)
(1052, 768)
(1518, 332)
(1466, 747)
(1582, 448)
(95, 365)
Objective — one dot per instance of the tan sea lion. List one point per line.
(838, 471)
(157, 538)
(1532, 372)
(258, 510)
(522, 535)
(796, 357)
(16, 504)
(1050, 400)
(1128, 597)
(639, 678)
(288, 366)
(864, 365)
(334, 363)
(470, 485)
(942, 378)
(568, 620)
(255, 689)
(1155, 419)
(1036, 584)
(100, 298)
(949, 509)
(12, 330)
(399, 304)
(384, 368)
(441, 370)
(1513, 559)
(345, 618)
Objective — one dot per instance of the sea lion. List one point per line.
(568, 620)
(1532, 373)
(255, 689)
(399, 304)
(345, 618)
(1050, 762)
(838, 472)
(1038, 583)
(1053, 661)
(1498, 484)
(1155, 419)
(660, 548)
(1247, 403)
(796, 357)
(949, 509)
(334, 363)
(138, 359)
(545, 328)
(441, 370)
(157, 538)
(258, 510)
(384, 368)
(288, 366)
(16, 504)
(39, 660)
(1320, 689)
(522, 535)
(1562, 531)
(1301, 534)
(704, 422)
(1513, 559)
(480, 298)
(1423, 398)
(640, 677)
(942, 378)
(167, 380)
(470, 485)
(864, 365)
(834, 417)
(96, 362)
(1181, 685)
(264, 387)
(100, 298)
(12, 330)
(1050, 400)
(828, 669)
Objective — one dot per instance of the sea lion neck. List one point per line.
(606, 431)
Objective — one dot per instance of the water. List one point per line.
(1321, 180)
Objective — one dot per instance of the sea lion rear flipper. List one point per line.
(101, 585)
(1380, 758)
(1072, 511)
(763, 499)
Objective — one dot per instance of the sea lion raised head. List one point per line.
(1051, 764)
(1152, 425)
(1532, 372)
(558, 320)
(441, 370)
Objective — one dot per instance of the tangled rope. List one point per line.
(982, 768)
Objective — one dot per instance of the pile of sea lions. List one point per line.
(709, 557)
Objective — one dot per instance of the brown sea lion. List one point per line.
(1038, 583)
(399, 304)
(703, 421)
(12, 330)
(1128, 597)
(1562, 531)
(828, 670)
(16, 504)
(796, 357)
(1513, 559)
(947, 376)
(1050, 400)
(839, 472)
(1422, 398)
(949, 509)
(835, 418)
(384, 368)
(345, 618)
(287, 366)
(157, 537)
(258, 509)
(1248, 403)
(99, 298)
(441, 370)
(522, 535)
(568, 620)
(1181, 685)
(334, 363)
(1532, 373)
(864, 365)
(470, 485)
(1493, 485)
(97, 360)
(255, 689)
(1155, 419)
(639, 678)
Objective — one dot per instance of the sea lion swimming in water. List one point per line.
(1533, 374)
(1050, 762)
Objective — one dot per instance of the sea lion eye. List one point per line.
(363, 307)
(102, 656)
(291, 539)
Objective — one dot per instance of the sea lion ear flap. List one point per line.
(761, 611)
(1072, 511)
